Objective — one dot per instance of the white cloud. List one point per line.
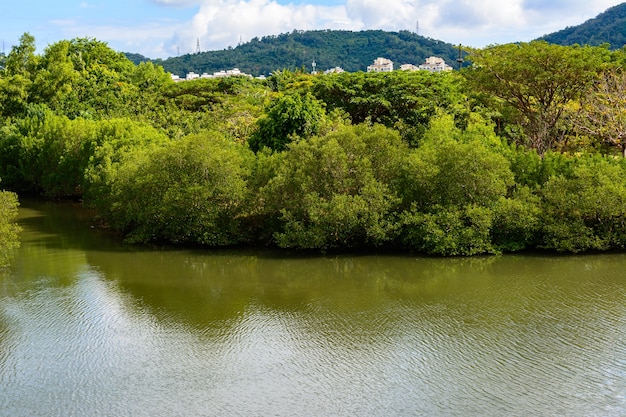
(222, 23)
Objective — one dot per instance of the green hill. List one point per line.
(352, 51)
(608, 27)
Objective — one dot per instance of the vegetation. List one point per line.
(523, 150)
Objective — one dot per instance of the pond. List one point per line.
(91, 327)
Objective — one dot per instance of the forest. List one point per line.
(523, 150)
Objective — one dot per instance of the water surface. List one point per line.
(89, 327)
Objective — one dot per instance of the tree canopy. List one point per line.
(521, 150)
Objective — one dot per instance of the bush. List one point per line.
(337, 190)
(191, 191)
(586, 210)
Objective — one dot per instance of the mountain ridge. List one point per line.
(609, 27)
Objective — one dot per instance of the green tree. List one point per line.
(191, 191)
(22, 59)
(56, 77)
(537, 80)
(287, 117)
(17, 77)
(602, 112)
(405, 100)
(336, 190)
(585, 210)
(452, 188)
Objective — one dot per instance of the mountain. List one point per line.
(352, 51)
(608, 27)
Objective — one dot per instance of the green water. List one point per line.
(89, 327)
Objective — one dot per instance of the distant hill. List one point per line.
(352, 51)
(608, 27)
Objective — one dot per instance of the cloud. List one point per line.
(222, 23)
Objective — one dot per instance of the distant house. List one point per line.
(381, 65)
(192, 76)
(409, 67)
(435, 64)
(235, 72)
(335, 70)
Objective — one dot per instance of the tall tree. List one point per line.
(602, 113)
(537, 80)
(16, 79)
(22, 59)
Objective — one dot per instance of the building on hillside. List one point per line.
(409, 67)
(192, 76)
(335, 70)
(235, 72)
(435, 64)
(381, 65)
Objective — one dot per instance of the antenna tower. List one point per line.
(417, 27)
(459, 60)
(198, 45)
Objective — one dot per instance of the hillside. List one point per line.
(608, 27)
(352, 51)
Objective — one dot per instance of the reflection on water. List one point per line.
(89, 327)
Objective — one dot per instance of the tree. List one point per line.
(190, 191)
(22, 59)
(602, 112)
(586, 209)
(56, 78)
(20, 67)
(288, 116)
(537, 80)
(405, 100)
(453, 187)
(337, 190)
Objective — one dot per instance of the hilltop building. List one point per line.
(435, 64)
(381, 65)
(335, 70)
(235, 72)
(409, 67)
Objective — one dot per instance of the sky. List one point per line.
(167, 28)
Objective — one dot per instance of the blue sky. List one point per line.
(164, 28)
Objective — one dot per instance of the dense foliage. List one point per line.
(352, 51)
(521, 151)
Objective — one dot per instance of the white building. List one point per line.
(335, 70)
(381, 65)
(409, 67)
(192, 76)
(235, 72)
(435, 64)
